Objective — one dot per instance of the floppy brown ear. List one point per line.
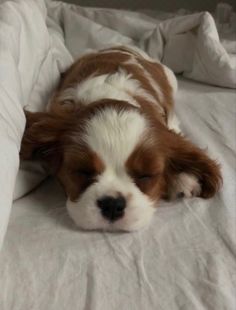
(188, 167)
(41, 139)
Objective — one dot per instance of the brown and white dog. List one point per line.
(111, 138)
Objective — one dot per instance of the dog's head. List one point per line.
(115, 163)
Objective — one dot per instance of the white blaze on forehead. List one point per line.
(113, 135)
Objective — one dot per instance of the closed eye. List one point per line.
(145, 177)
(88, 174)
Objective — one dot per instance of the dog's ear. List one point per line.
(189, 171)
(41, 139)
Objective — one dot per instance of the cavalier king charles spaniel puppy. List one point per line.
(111, 138)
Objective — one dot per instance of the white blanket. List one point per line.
(39, 40)
(185, 260)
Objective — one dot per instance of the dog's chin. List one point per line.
(89, 217)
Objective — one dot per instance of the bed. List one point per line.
(186, 258)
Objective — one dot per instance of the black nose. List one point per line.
(112, 208)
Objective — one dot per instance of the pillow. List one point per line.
(27, 46)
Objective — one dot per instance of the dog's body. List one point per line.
(112, 139)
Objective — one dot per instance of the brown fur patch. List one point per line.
(146, 167)
(96, 64)
(57, 141)
(158, 164)
(79, 170)
(183, 156)
(56, 137)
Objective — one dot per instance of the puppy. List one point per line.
(111, 138)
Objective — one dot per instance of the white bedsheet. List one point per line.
(186, 258)
(38, 40)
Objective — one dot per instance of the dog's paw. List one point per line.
(184, 186)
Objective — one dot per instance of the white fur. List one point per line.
(172, 79)
(173, 123)
(113, 136)
(153, 83)
(138, 52)
(119, 86)
(87, 215)
(187, 184)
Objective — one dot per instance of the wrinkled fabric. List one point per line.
(32, 55)
(39, 40)
(191, 45)
(186, 258)
(17, 35)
